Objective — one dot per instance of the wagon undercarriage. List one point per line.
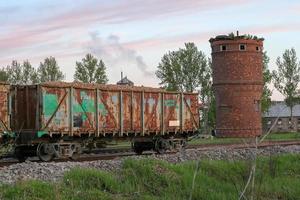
(47, 149)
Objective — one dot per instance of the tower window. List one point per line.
(225, 108)
(242, 47)
(257, 49)
(223, 47)
(279, 122)
(257, 106)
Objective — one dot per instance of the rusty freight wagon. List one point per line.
(60, 119)
(4, 111)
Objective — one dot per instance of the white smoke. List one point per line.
(115, 54)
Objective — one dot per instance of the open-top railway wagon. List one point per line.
(59, 119)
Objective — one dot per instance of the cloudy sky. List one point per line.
(132, 35)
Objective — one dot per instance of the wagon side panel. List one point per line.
(152, 116)
(109, 113)
(171, 112)
(137, 109)
(4, 103)
(83, 111)
(55, 112)
(190, 112)
(127, 108)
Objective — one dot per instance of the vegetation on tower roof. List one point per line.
(231, 36)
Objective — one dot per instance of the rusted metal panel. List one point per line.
(109, 119)
(171, 112)
(23, 107)
(190, 112)
(84, 111)
(4, 112)
(152, 112)
(55, 110)
(137, 109)
(31, 107)
(127, 112)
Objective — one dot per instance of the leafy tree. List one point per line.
(3, 75)
(50, 71)
(287, 77)
(267, 78)
(89, 70)
(29, 74)
(181, 70)
(208, 99)
(14, 72)
(21, 74)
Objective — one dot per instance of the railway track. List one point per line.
(113, 153)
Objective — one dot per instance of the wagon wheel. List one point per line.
(75, 156)
(45, 152)
(77, 150)
(19, 154)
(183, 144)
(137, 148)
(161, 145)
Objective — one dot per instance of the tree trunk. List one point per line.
(291, 117)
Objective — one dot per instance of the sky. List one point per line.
(132, 35)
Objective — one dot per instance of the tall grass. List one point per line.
(276, 178)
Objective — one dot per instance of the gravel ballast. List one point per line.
(53, 171)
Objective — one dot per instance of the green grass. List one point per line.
(276, 178)
(270, 137)
(283, 136)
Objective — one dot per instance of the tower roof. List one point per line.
(125, 81)
(231, 36)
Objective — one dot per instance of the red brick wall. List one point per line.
(237, 78)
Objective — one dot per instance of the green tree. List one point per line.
(180, 70)
(3, 75)
(89, 70)
(267, 78)
(188, 70)
(208, 99)
(21, 74)
(287, 77)
(14, 72)
(50, 71)
(29, 74)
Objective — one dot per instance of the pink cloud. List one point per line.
(20, 38)
(134, 10)
(205, 36)
(78, 20)
(124, 11)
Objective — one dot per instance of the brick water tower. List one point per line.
(238, 84)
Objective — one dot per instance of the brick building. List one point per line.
(284, 123)
(237, 83)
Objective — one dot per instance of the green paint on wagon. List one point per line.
(170, 102)
(41, 133)
(102, 109)
(87, 105)
(9, 134)
(50, 104)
